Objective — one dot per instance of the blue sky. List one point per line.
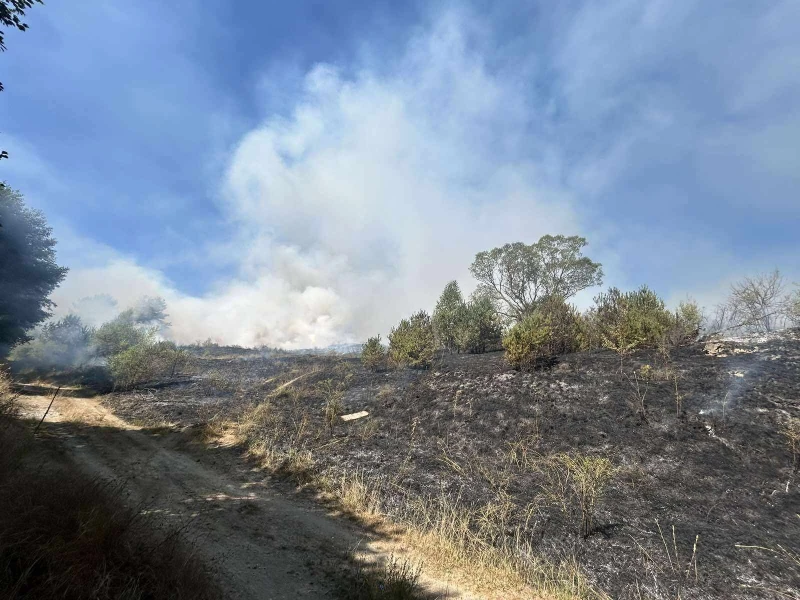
(309, 172)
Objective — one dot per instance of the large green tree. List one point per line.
(517, 277)
(28, 269)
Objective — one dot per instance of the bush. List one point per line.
(118, 336)
(478, 328)
(373, 354)
(412, 342)
(577, 482)
(146, 362)
(629, 320)
(64, 344)
(553, 328)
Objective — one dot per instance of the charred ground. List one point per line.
(705, 500)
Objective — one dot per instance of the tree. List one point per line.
(412, 342)
(448, 315)
(119, 335)
(148, 312)
(11, 15)
(518, 276)
(478, 326)
(373, 354)
(28, 269)
(553, 328)
(62, 344)
(758, 303)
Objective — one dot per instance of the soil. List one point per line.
(705, 504)
(261, 539)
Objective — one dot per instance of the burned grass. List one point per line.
(699, 492)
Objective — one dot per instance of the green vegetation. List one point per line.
(57, 345)
(373, 354)
(146, 361)
(448, 317)
(412, 342)
(624, 321)
(516, 277)
(480, 327)
(553, 328)
(28, 268)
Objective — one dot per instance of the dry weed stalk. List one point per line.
(791, 431)
(672, 567)
(577, 480)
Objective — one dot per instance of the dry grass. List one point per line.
(64, 535)
(394, 579)
(471, 542)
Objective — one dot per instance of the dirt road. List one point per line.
(265, 542)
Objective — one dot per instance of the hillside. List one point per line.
(703, 502)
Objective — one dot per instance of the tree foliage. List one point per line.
(412, 342)
(373, 354)
(119, 335)
(62, 344)
(478, 326)
(146, 361)
(28, 269)
(625, 321)
(552, 328)
(519, 276)
(448, 317)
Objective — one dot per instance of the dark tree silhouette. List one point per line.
(28, 269)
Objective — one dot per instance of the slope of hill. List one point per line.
(701, 501)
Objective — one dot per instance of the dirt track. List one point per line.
(264, 542)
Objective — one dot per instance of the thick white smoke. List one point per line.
(359, 207)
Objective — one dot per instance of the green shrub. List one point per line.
(687, 323)
(630, 320)
(526, 341)
(412, 342)
(553, 328)
(145, 362)
(119, 335)
(373, 354)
